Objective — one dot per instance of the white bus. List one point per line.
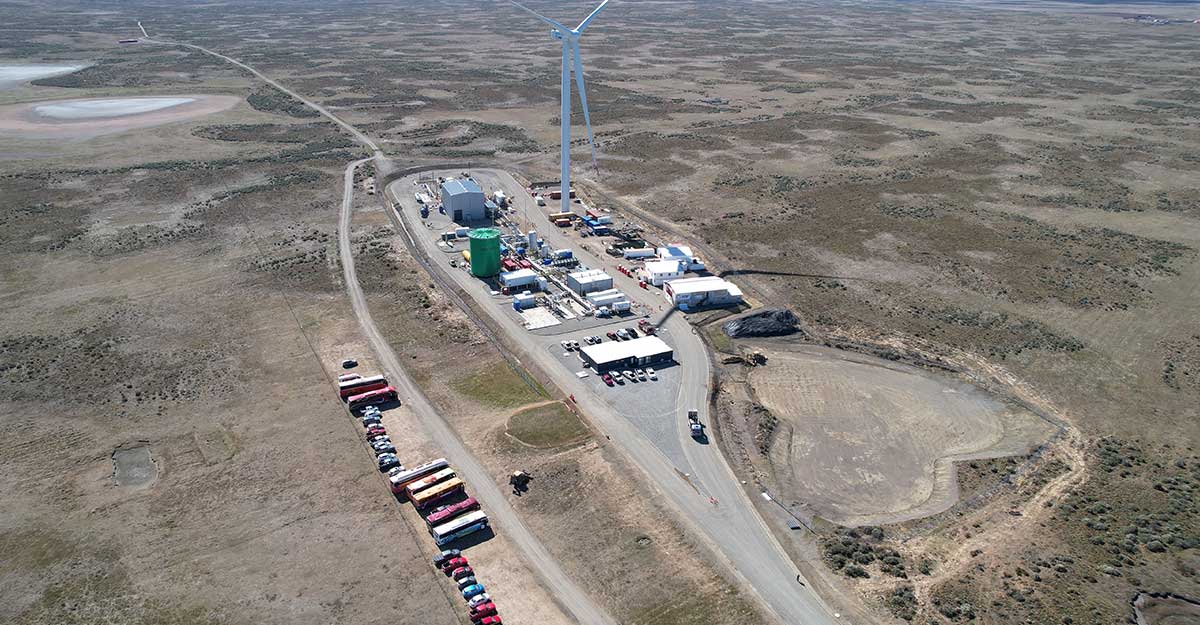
(404, 478)
(428, 481)
(459, 527)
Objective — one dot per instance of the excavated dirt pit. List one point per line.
(864, 440)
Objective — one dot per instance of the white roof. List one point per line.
(706, 284)
(662, 266)
(591, 275)
(675, 251)
(641, 347)
(518, 275)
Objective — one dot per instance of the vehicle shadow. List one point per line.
(471, 540)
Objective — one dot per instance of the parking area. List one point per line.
(564, 312)
(651, 405)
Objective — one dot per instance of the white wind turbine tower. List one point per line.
(570, 50)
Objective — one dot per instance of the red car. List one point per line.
(482, 610)
(461, 572)
(453, 563)
(613, 336)
(491, 620)
(607, 379)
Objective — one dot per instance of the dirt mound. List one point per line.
(770, 322)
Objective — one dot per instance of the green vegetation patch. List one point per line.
(272, 100)
(551, 425)
(499, 386)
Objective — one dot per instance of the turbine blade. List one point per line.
(556, 25)
(587, 120)
(582, 25)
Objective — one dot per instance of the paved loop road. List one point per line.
(502, 515)
(731, 522)
(569, 596)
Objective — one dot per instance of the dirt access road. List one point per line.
(571, 597)
(734, 527)
(710, 498)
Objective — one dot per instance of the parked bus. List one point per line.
(462, 526)
(401, 480)
(451, 511)
(371, 398)
(438, 492)
(429, 480)
(360, 385)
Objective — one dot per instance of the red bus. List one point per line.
(449, 512)
(370, 398)
(360, 385)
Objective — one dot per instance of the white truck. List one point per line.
(694, 424)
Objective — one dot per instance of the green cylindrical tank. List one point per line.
(485, 252)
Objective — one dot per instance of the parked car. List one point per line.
(566, 345)
(394, 470)
(623, 334)
(346, 377)
(478, 599)
(472, 590)
(575, 345)
(629, 375)
(650, 372)
(618, 378)
(371, 420)
(384, 449)
(369, 410)
(452, 563)
(387, 461)
(641, 374)
(607, 379)
(632, 333)
(349, 363)
(482, 610)
(612, 335)
(461, 572)
(466, 581)
(491, 620)
(448, 554)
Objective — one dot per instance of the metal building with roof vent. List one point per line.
(463, 200)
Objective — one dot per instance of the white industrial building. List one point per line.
(639, 352)
(519, 278)
(658, 271)
(690, 293)
(463, 200)
(611, 298)
(524, 300)
(683, 254)
(584, 282)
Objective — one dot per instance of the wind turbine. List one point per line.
(570, 56)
